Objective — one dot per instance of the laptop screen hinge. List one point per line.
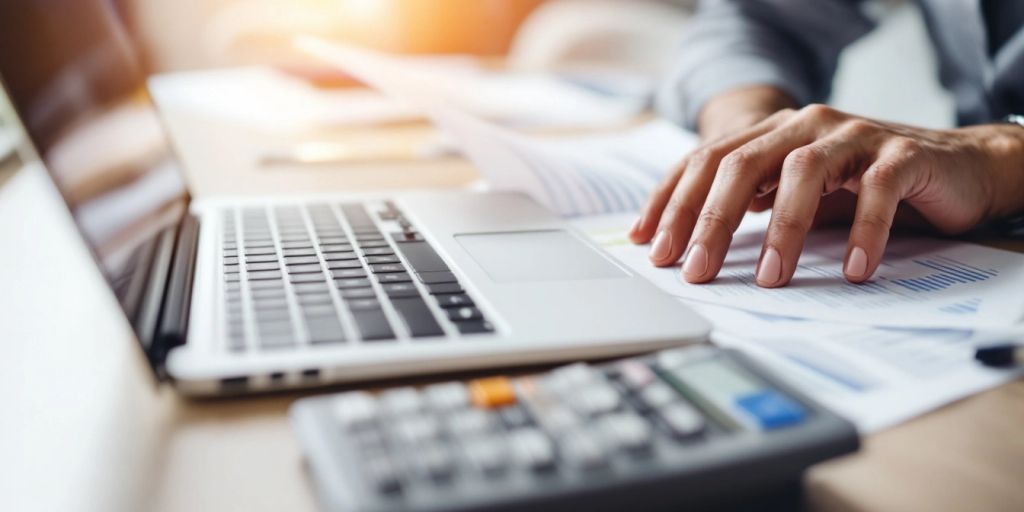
(174, 315)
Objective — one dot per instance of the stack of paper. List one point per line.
(879, 352)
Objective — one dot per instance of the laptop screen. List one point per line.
(72, 74)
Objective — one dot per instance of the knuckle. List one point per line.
(859, 127)
(882, 175)
(802, 160)
(818, 111)
(735, 164)
(873, 221)
(704, 156)
(905, 146)
(783, 221)
(713, 218)
(680, 211)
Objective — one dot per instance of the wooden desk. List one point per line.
(85, 428)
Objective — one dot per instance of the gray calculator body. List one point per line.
(753, 434)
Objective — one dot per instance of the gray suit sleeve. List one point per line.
(790, 44)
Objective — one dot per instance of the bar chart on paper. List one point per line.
(921, 282)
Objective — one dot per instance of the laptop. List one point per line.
(233, 295)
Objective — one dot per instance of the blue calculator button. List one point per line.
(772, 409)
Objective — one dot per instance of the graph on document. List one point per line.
(943, 273)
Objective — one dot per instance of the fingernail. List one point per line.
(636, 225)
(771, 268)
(857, 263)
(662, 246)
(696, 264)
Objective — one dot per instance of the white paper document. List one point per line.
(922, 282)
(578, 175)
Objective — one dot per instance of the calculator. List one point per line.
(678, 429)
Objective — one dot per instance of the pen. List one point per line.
(1006, 354)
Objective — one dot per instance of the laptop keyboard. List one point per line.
(326, 274)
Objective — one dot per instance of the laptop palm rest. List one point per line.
(533, 256)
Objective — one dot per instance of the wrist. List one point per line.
(1004, 145)
(742, 108)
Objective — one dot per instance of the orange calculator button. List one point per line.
(492, 392)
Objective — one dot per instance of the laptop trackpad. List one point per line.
(550, 255)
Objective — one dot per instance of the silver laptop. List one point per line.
(231, 295)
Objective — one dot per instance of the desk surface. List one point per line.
(86, 428)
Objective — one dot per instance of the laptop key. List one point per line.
(269, 265)
(343, 265)
(357, 293)
(307, 278)
(301, 260)
(336, 248)
(231, 260)
(310, 288)
(277, 340)
(397, 277)
(378, 251)
(264, 274)
(260, 258)
(422, 257)
(340, 256)
(436, 277)
(231, 278)
(347, 273)
(464, 314)
(454, 301)
(387, 268)
(271, 284)
(309, 268)
(333, 240)
(373, 325)
(324, 329)
(401, 290)
(362, 304)
(230, 269)
(369, 244)
(417, 316)
(299, 252)
(358, 282)
(373, 260)
(475, 327)
(314, 299)
(444, 288)
(260, 251)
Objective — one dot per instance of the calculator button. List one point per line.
(447, 396)
(417, 429)
(583, 450)
(635, 374)
(772, 409)
(437, 460)
(355, 410)
(597, 399)
(383, 475)
(492, 392)
(531, 448)
(470, 421)
(487, 455)
(627, 431)
(658, 395)
(682, 420)
(401, 401)
(515, 416)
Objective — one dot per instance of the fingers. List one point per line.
(673, 206)
(807, 173)
(737, 182)
(881, 188)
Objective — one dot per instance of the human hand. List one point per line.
(795, 159)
